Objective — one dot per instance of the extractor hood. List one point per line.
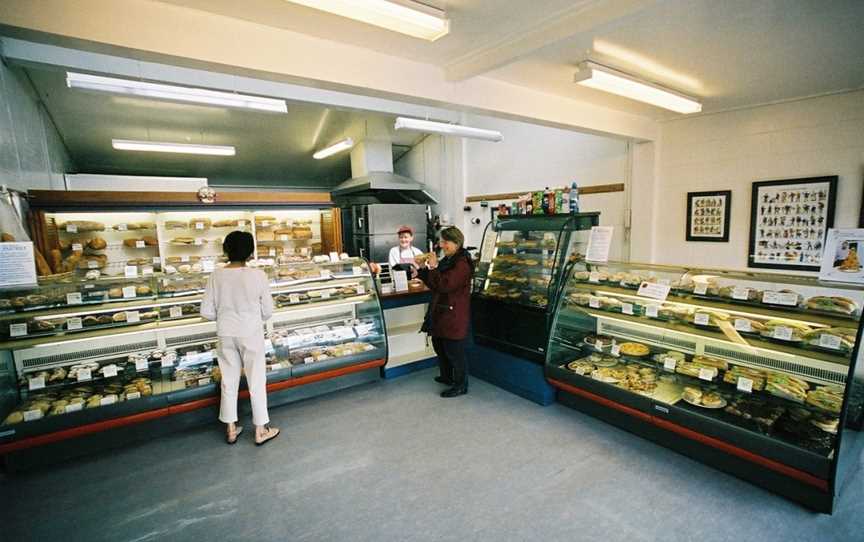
(373, 180)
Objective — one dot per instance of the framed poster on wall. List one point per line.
(788, 222)
(708, 216)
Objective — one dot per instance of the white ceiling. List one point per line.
(272, 149)
(730, 53)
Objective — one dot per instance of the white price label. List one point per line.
(141, 365)
(131, 272)
(651, 311)
(829, 341)
(783, 333)
(204, 381)
(147, 270)
(133, 317)
(140, 244)
(77, 247)
(110, 400)
(122, 227)
(265, 223)
(272, 252)
(166, 362)
(208, 266)
(294, 298)
(89, 286)
(594, 276)
(85, 375)
(627, 308)
(743, 324)
(36, 383)
(654, 290)
(308, 359)
(357, 270)
(701, 319)
(780, 298)
(334, 257)
(198, 241)
(75, 323)
(175, 312)
(241, 223)
(361, 289)
(109, 371)
(706, 373)
(17, 330)
(669, 364)
(740, 293)
(184, 259)
(594, 302)
(325, 274)
(72, 228)
(283, 237)
(74, 407)
(616, 350)
(133, 395)
(92, 264)
(74, 298)
(745, 384)
(325, 295)
(129, 292)
(31, 415)
(276, 367)
(157, 260)
(199, 225)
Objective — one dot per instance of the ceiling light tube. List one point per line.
(343, 145)
(180, 148)
(173, 93)
(606, 79)
(404, 16)
(428, 126)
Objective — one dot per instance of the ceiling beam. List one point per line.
(577, 19)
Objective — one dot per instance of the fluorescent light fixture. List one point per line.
(609, 80)
(404, 16)
(428, 126)
(181, 148)
(173, 93)
(343, 145)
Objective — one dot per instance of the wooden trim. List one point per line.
(98, 427)
(595, 189)
(97, 198)
(718, 444)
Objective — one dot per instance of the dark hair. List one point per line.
(238, 246)
(453, 235)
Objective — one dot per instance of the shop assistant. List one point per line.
(401, 257)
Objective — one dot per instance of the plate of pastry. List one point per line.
(703, 399)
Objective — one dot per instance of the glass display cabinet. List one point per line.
(80, 351)
(517, 280)
(749, 372)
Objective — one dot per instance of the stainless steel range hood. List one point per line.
(373, 180)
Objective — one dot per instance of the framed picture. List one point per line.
(788, 222)
(842, 259)
(708, 216)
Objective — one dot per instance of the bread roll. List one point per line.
(72, 261)
(42, 267)
(175, 225)
(151, 241)
(7, 238)
(142, 290)
(115, 293)
(131, 243)
(97, 243)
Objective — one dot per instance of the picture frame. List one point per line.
(789, 221)
(708, 216)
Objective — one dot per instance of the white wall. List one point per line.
(813, 137)
(32, 155)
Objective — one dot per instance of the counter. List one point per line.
(409, 349)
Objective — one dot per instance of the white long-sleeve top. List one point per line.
(397, 255)
(239, 300)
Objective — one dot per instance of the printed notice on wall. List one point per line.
(599, 244)
(487, 252)
(17, 266)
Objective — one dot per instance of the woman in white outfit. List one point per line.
(238, 298)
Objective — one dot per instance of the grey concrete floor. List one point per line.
(393, 461)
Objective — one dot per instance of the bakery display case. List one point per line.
(750, 372)
(161, 353)
(517, 280)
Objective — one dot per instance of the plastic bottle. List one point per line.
(529, 206)
(559, 202)
(574, 198)
(545, 201)
(538, 202)
(565, 200)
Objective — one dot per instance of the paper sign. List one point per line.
(308, 359)
(36, 383)
(283, 237)
(829, 341)
(265, 224)
(199, 225)
(139, 244)
(74, 298)
(131, 272)
(208, 266)
(133, 317)
(31, 415)
(198, 241)
(356, 270)
(743, 324)
(141, 365)
(701, 319)
(122, 227)
(84, 375)
(780, 298)
(17, 330)
(204, 381)
(616, 350)
(147, 270)
(325, 274)
(276, 367)
(92, 264)
(110, 400)
(184, 259)
(73, 324)
(157, 260)
(841, 258)
(745, 384)
(133, 395)
(488, 249)
(17, 265)
(627, 308)
(166, 362)
(707, 374)
(325, 295)
(594, 302)
(175, 312)
(740, 293)
(361, 289)
(783, 333)
(334, 257)
(74, 407)
(654, 290)
(651, 311)
(400, 281)
(599, 243)
(669, 364)
(77, 247)
(594, 276)
(72, 228)
(129, 292)
(109, 371)
(272, 252)
(701, 288)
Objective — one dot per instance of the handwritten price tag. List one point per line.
(743, 324)
(740, 293)
(627, 308)
(651, 311)
(109, 371)
(594, 302)
(701, 288)
(175, 312)
(783, 333)
(707, 374)
(74, 298)
(140, 244)
(669, 364)
(829, 341)
(72, 228)
(36, 383)
(130, 272)
(701, 319)
(141, 365)
(85, 375)
(129, 292)
(745, 384)
(75, 323)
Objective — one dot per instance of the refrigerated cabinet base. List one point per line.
(517, 375)
(794, 483)
(200, 408)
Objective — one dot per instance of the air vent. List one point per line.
(656, 338)
(63, 359)
(768, 363)
(189, 339)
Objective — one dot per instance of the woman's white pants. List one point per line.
(245, 354)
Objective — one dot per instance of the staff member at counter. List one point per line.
(448, 314)
(403, 255)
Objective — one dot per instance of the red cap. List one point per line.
(405, 229)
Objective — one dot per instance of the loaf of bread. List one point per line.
(97, 243)
(55, 259)
(175, 225)
(7, 238)
(72, 261)
(42, 267)
(151, 241)
(131, 242)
